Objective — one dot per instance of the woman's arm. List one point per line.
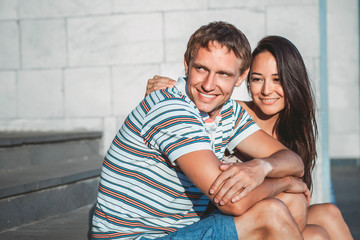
(159, 82)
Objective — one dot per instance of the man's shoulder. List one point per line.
(171, 96)
(232, 107)
(247, 106)
(239, 107)
(168, 96)
(168, 102)
(236, 112)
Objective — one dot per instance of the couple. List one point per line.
(164, 165)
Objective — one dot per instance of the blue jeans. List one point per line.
(215, 226)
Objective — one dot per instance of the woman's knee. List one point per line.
(315, 232)
(268, 210)
(274, 210)
(332, 210)
(295, 202)
(268, 217)
(298, 207)
(318, 211)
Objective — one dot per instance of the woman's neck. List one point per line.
(265, 122)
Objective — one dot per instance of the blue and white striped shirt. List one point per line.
(142, 191)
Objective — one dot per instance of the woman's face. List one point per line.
(265, 88)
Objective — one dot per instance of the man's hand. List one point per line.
(158, 82)
(203, 168)
(238, 179)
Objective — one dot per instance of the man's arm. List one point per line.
(202, 168)
(271, 159)
(282, 161)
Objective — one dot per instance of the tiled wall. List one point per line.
(344, 89)
(84, 64)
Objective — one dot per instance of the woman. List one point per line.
(283, 106)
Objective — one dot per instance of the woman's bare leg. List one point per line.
(298, 207)
(267, 219)
(315, 232)
(329, 217)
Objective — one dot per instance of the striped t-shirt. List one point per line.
(142, 191)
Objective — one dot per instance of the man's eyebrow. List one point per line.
(226, 72)
(198, 65)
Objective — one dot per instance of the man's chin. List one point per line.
(209, 110)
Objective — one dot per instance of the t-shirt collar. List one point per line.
(210, 124)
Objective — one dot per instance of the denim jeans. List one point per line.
(215, 226)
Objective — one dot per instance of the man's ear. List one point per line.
(242, 77)
(186, 68)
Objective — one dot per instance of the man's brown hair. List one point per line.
(226, 35)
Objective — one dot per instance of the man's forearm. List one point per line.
(269, 188)
(284, 163)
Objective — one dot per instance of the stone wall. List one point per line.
(83, 65)
(343, 69)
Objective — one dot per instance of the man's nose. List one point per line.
(209, 82)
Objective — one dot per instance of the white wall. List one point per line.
(343, 64)
(84, 64)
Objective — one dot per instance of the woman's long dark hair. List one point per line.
(296, 126)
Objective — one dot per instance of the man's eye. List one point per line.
(224, 74)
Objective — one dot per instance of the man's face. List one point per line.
(212, 75)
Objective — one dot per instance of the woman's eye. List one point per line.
(276, 80)
(255, 79)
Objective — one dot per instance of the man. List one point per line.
(163, 165)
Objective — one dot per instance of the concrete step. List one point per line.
(35, 206)
(20, 150)
(41, 177)
(346, 180)
(75, 224)
(72, 225)
(42, 188)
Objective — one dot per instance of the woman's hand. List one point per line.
(238, 179)
(298, 186)
(158, 82)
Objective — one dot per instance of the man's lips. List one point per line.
(207, 95)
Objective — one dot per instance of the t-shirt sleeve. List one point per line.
(244, 126)
(174, 128)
